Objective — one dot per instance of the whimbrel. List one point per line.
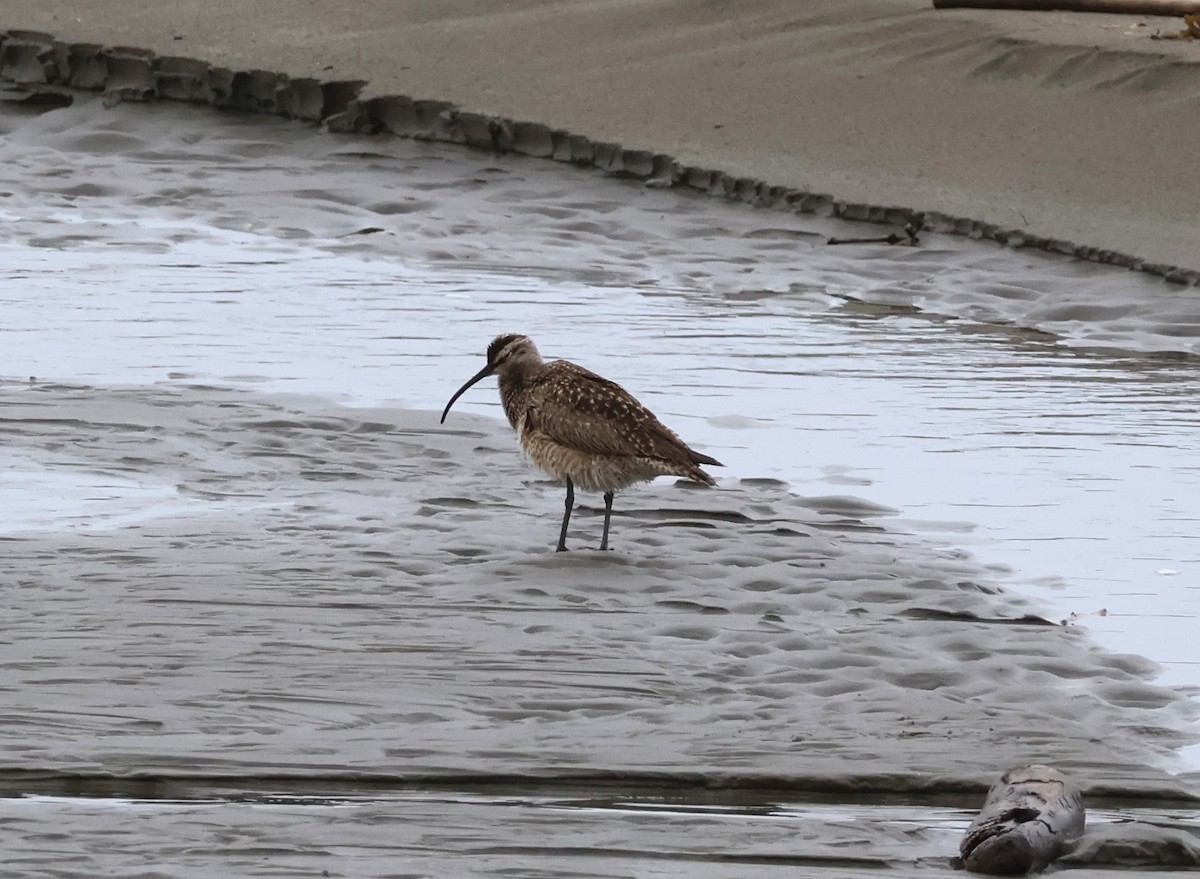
(582, 428)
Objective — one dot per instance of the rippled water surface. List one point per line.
(1059, 447)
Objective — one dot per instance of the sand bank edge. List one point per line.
(33, 58)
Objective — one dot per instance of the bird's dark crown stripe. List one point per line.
(498, 345)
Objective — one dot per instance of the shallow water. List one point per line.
(157, 260)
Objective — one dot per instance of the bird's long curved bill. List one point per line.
(483, 373)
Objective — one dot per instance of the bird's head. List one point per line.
(512, 353)
(508, 354)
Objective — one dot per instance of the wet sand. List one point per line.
(94, 173)
(581, 832)
(348, 612)
(372, 594)
(1071, 126)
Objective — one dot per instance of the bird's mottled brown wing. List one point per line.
(581, 410)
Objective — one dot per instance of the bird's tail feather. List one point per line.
(697, 475)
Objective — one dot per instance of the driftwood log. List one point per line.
(1117, 7)
(1031, 816)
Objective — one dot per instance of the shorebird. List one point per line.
(582, 428)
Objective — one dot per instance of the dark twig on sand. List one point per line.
(908, 239)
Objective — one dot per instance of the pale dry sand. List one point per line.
(1066, 125)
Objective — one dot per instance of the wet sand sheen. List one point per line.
(569, 834)
(87, 178)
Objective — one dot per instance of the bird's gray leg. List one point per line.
(562, 535)
(608, 496)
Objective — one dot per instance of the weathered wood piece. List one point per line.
(1031, 816)
(1114, 7)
